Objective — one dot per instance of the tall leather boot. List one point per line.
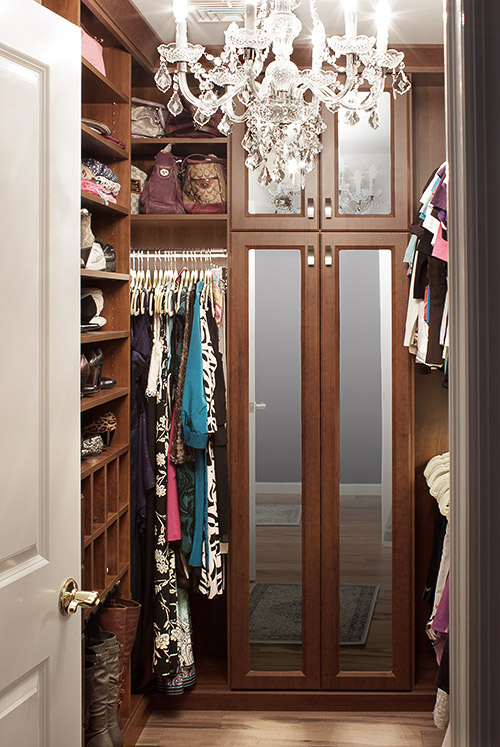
(122, 619)
(111, 646)
(89, 690)
(96, 733)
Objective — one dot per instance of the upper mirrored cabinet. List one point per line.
(365, 173)
(361, 181)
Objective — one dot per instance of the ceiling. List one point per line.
(413, 21)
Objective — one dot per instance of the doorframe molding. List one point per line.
(472, 62)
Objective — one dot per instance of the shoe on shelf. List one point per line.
(104, 425)
(107, 382)
(109, 255)
(92, 446)
(84, 373)
(96, 362)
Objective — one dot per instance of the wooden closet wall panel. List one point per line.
(402, 503)
(430, 398)
(241, 676)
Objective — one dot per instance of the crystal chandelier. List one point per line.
(282, 111)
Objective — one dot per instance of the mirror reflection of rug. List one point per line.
(277, 514)
(276, 613)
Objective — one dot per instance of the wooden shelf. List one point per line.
(98, 146)
(147, 146)
(182, 219)
(97, 204)
(98, 89)
(106, 395)
(91, 464)
(87, 337)
(103, 275)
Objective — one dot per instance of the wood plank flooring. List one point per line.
(285, 729)
(363, 560)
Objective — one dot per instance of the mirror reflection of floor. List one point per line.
(364, 560)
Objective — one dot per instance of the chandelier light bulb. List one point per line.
(351, 18)
(180, 9)
(383, 23)
(250, 11)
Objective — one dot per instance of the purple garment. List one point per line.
(442, 617)
(439, 198)
(441, 215)
(145, 474)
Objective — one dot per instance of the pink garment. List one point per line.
(440, 249)
(87, 186)
(442, 617)
(92, 51)
(91, 187)
(173, 515)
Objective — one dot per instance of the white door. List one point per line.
(40, 680)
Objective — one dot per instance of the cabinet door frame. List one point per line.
(398, 218)
(242, 220)
(240, 674)
(400, 676)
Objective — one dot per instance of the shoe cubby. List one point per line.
(123, 481)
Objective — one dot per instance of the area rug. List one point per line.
(276, 613)
(277, 514)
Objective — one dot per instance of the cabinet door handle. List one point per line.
(310, 256)
(310, 207)
(328, 256)
(328, 207)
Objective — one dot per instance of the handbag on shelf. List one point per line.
(162, 191)
(183, 125)
(148, 118)
(93, 52)
(204, 184)
(137, 182)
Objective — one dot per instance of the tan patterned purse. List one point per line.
(204, 184)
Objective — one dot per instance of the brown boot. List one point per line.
(122, 619)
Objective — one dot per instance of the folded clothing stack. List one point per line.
(99, 179)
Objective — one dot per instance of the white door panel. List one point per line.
(39, 375)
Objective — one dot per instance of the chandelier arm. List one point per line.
(229, 110)
(196, 101)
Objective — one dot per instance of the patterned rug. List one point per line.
(277, 514)
(276, 613)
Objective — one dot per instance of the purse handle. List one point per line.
(206, 156)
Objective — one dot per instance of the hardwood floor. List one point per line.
(285, 729)
(363, 560)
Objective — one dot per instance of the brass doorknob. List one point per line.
(70, 598)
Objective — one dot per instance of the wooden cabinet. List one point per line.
(361, 183)
(338, 546)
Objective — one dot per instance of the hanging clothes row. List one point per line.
(179, 471)
(437, 475)
(426, 333)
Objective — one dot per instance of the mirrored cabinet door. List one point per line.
(367, 636)
(274, 434)
(272, 206)
(365, 171)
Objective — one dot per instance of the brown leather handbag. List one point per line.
(204, 184)
(183, 124)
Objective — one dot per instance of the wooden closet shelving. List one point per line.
(97, 337)
(103, 275)
(96, 203)
(98, 88)
(94, 144)
(105, 395)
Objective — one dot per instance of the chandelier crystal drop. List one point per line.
(279, 103)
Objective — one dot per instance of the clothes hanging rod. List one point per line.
(182, 253)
